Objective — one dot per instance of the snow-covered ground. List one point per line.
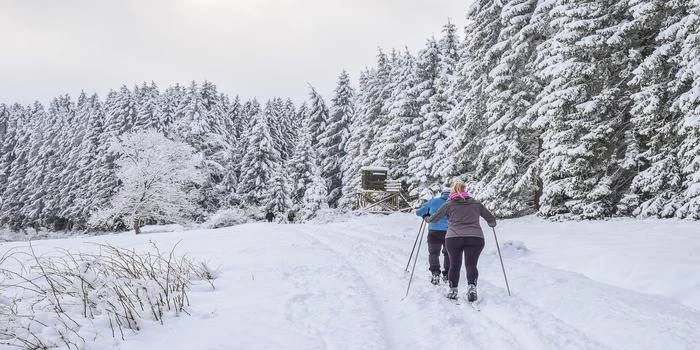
(618, 284)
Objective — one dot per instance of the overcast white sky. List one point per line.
(258, 48)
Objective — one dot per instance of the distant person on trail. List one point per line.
(436, 236)
(269, 216)
(290, 217)
(464, 236)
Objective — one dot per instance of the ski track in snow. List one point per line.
(550, 308)
(513, 325)
(340, 286)
(350, 298)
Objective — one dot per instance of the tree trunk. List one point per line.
(137, 225)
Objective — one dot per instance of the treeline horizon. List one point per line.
(567, 109)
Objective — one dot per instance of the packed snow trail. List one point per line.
(547, 299)
(340, 286)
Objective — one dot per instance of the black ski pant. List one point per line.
(436, 245)
(471, 248)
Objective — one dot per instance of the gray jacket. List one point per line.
(463, 217)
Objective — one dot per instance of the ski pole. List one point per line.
(501, 258)
(415, 260)
(414, 245)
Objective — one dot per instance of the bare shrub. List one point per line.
(54, 300)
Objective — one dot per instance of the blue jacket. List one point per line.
(430, 207)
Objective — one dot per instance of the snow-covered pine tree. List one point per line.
(277, 192)
(334, 137)
(653, 139)
(505, 175)
(356, 147)
(432, 114)
(401, 132)
(147, 108)
(8, 140)
(317, 116)
(231, 119)
(372, 104)
(300, 167)
(688, 103)
(442, 103)
(197, 125)
(168, 103)
(41, 150)
(242, 126)
(315, 196)
(292, 123)
(258, 163)
(475, 62)
(91, 165)
(6, 145)
(122, 109)
(55, 147)
(159, 180)
(274, 111)
(16, 166)
(73, 173)
(103, 180)
(579, 113)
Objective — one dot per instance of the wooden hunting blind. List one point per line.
(380, 194)
(374, 178)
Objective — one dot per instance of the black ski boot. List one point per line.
(471, 293)
(452, 294)
(435, 280)
(445, 279)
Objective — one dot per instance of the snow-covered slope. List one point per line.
(623, 284)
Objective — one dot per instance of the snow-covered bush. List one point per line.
(227, 217)
(326, 216)
(512, 249)
(315, 196)
(31, 234)
(159, 180)
(68, 299)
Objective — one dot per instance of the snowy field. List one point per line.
(619, 284)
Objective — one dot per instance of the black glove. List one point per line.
(492, 224)
(426, 216)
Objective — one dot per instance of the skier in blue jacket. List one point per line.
(436, 236)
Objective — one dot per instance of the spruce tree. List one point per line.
(315, 196)
(258, 163)
(357, 145)
(688, 103)
(317, 116)
(475, 62)
(333, 138)
(653, 138)
(401, 132)
(374, 99)
(147, 108)
(505, 174)
(277, 192)
(300, 167)
(432, 113)
(578, 113)
(16, 166)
